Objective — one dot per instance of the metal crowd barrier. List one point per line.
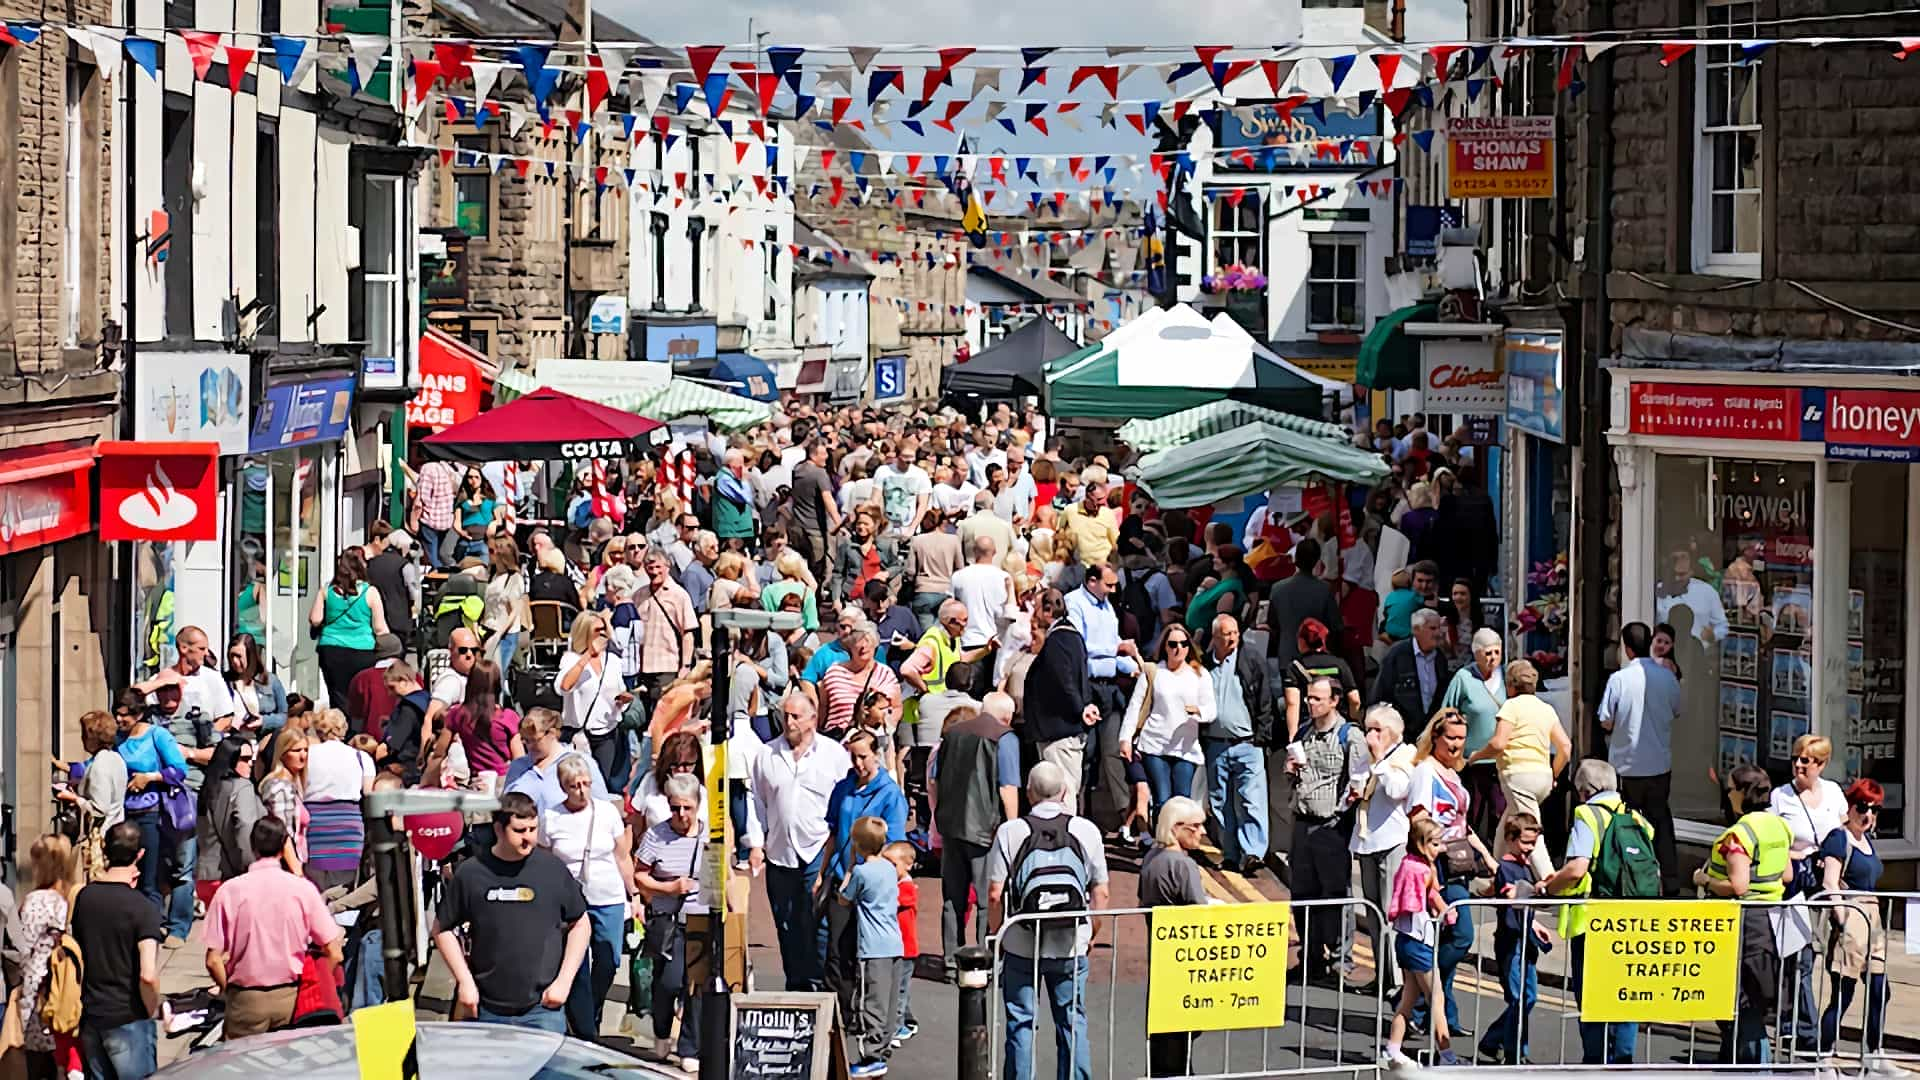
(1883, 947)
(1314, 1030)
(1319, 1030)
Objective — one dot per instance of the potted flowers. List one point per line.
(1243, 289)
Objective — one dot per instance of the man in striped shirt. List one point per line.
(846, 682)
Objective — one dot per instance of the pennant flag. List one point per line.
(454, 59)
(200, 45)
(1565, 78)
(840, 106)
(984, 78)
(1674, 50)
(764, 85)
(862, 56)
(238, 61)
(1386, 63)
(287, 54)
(802, 105)
(714, 89)
(1034, 109)
(365, 51)
(882, 78)
(1338, 68)
(485, 76)
(20, 33)
(914, 126)
(1908, 46)
(1751, 49)
(1032, 76)
(683, 96)
(1474, 86)
(598, 87)
(1477, 58)
(425, 74)
(1181, 71)
(1277, 72)
(1443, 59)
(533, 64)
(1107, 76)
(700, 58)
(784, 60)
(857, 160)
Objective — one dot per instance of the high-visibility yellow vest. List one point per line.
(945, 655)
(1770, 839)
(1596, 816)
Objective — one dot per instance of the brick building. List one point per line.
(1710, 337)
(59, 323)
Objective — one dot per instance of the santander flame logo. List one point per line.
(158, 506)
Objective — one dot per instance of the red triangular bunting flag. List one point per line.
(1206, 53)
(425, 74)
(1908, 46)
(1565, 78)
(237, 61)
(1387, 63)
(446, 155)
(1674, 50)
(739, 152)
(454, 58)
(200, 46)
(1443, 59)
(701, 58)
(1271, 68)
(453, 113)
(764, 84)
(521, 165)
(826, 159)
(597, 85)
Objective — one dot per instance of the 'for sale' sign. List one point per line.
(1499, 157)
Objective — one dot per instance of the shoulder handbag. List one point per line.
(1146, 703)
(1803, 879)
(663, 926)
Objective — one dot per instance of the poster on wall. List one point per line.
(1500, 157)
(1535, 382)
(192, 397)
(159, 491)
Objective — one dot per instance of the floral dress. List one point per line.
(43, 917)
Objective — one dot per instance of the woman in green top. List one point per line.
(795, 580)
(345, 618)
(247, 618)
(475, 505)
(1226, 595)
(1479, 690)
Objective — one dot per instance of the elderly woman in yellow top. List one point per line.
(1530, 748)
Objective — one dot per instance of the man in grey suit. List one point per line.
(1414, 673)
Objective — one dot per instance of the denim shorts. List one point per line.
(1413, 955)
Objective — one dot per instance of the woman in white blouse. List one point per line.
(337, 775)
(592, 690)
(590, 836)
(1813, 806)
(1171, 702)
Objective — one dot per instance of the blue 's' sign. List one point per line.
(889, 378)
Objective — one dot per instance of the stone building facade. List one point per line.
(59, 322)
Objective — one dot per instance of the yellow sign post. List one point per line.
(1217, 967)
(1665, 960)
(383, 1041)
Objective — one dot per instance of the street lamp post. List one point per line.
(716, 1036)
(393, 871)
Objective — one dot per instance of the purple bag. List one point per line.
(177, 812)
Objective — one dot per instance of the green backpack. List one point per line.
(1624, 865)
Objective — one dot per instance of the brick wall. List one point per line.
(33, 84)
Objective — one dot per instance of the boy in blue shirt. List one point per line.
(872, 890)
(1518, 942)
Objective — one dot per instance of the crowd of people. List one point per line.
(1005, 664)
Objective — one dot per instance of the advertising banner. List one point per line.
(1500, 157)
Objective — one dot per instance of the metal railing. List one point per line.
(1105, 996)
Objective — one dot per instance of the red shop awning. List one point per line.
(44, 496)
(453, 379)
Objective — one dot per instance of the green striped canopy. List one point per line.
(1178, 429)
(676, 399)
(1252, 458)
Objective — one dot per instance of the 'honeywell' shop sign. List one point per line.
(1462, 377)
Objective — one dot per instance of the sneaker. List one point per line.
(907, 1031)
(690, 1066)
(1447, 1059)
(868, 1068)
(1126, 835)
(1398, 1059)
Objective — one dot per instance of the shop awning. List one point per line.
(453, 378)
(1014, 367)
(1389, 359)
(546, 425)
(753, 377)
(1251, 458)
(1178, 429)
(44, 495)
(675, 399)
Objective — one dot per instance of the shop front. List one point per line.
(188, 397)
(288, 509)
(1538, 502)
(1766, 525)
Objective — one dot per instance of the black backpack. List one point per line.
(1050, 873)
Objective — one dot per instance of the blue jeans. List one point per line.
(509, 644)
(151, 886)
(1801, 1021)
(1843, 989)
(1237, 792)
(595, 977)
(1066, 983)
(1601, 1044)
(1456, 942)
(539, 1018)
(127, 1052)
(790, 896)
(1166, 777)
(1520, 963)
(180, 904)
(433, 538)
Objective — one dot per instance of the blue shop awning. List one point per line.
(748, 376)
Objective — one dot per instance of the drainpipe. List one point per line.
(1594, 517)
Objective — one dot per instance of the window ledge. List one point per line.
(1750, 270)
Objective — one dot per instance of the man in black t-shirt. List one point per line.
(119, 934)
(525, 915)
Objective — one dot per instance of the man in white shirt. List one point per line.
(1380, 830)
(952, 494)
(1682, 589)
(987, 591)
(905, 489)
(983, 454)
(787, 832)
(1014, 502)
(1637, 712)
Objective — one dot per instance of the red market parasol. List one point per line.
(546, 425)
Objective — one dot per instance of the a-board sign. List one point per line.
(778, 1036)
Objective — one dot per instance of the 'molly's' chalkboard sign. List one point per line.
(782, 1036)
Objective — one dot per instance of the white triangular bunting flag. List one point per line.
(485, 77)
(651, 87)
(366, 51)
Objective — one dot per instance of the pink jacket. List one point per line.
(1410, 884)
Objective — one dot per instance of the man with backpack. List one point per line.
(1325, 757)
(1045, 864)
(1146, 596)
(1610, 856)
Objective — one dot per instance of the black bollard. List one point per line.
(973, 971)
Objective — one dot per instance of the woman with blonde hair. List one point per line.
(729, 574)
(679, 705)
(536, 773)
(1172, 701)
(505, 614)
(42, 920)
(284, 790)
(101, 793)
(337, 776)
(795, 580)
(614, 554)
(1418, 521)
(593, 691)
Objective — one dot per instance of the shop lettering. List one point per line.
(594, 448)
(25, 514)
(1777, 510)
(443, 383)
(306, 414)
(1459, 377)
(1501, 155)
(1898, 421)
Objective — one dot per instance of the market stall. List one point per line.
(666, 401)
(1254, 457)
(1014, 367)
(1178, 429)
(546, 425)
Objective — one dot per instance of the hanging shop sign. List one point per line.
(1500, 157)
(299, 414)
(450, 384)
(1852, 424)
(1301, 139)
(192, 397)
(608, 315)
(889, 378)
(680, 343)
(1461, 377)
(159, 491)
(44, 497)
(1534, 381)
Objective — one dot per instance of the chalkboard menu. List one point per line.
(782, 1036)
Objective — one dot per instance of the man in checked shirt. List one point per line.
(1323, 760)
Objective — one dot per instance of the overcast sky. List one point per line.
(981, 22)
